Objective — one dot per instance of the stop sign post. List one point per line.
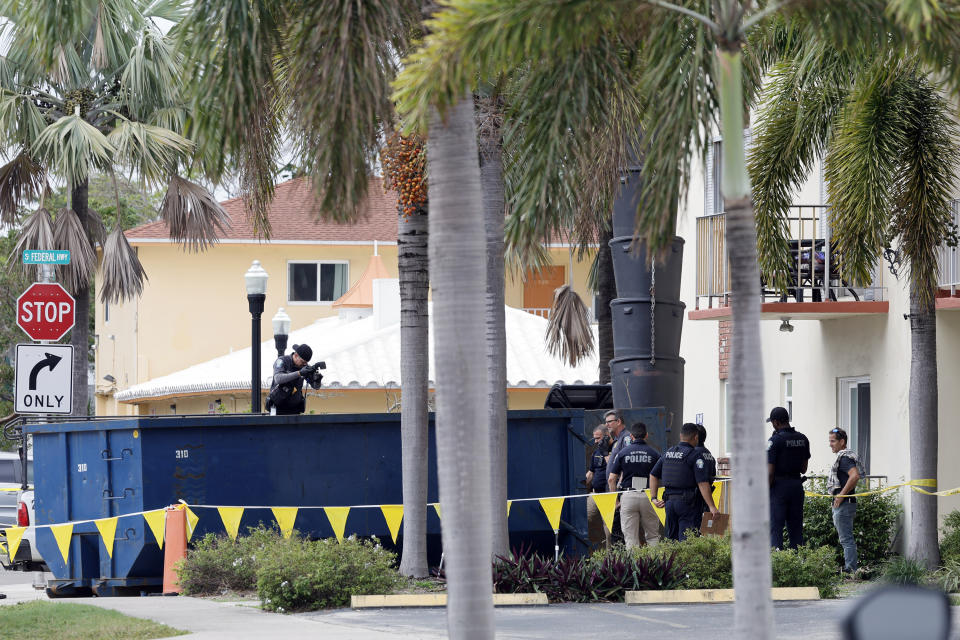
(45, 311)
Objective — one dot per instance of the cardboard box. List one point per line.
(714, 526)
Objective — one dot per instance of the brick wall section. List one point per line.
(725, 342)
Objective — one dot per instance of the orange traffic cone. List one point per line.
(174, 547)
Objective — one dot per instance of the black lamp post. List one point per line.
(281, 331)
(256, 280)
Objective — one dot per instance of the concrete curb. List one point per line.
(440, 600)
(700, 596)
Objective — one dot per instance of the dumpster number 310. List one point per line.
(183, 453)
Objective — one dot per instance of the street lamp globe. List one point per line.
(281, 329)
(256, 279)
(256, 282)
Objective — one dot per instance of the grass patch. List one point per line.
(41, 620)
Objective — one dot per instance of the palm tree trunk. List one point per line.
(491, 181)
(923, 427)
(413, 265)
(606, 291)
(753, 608)
(80, 334)
(457, 262)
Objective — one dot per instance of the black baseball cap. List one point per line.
(779, 414)
(304, 351)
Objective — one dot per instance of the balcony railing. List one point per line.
(810, 235)
(543, 312)
(948, 259)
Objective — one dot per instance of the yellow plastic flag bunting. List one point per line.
(285, 516)
(192, 520)
(436, 505)
(63, 533)
(661, 513)
(552, 507)
(14, 536)
(338, 520)
(108, 531)
(509, 504)
(717, 490)
(156, 520)
(607, 505)
(231, 520)
(393, 514)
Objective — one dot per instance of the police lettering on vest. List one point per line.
(787, 451)
(636, 460)
(682, 467)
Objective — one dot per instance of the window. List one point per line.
(713, 198)
(725, 422)
(106, 312)
(786, 391)
(312, 282)
(853, 414)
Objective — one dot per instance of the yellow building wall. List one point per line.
(194, 308)
(323, 401)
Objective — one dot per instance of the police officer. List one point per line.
(788, 452)
(290, 373)
(597, 483)
(613, 420)
(685, 471)
(630, 473)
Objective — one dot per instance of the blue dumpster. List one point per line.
(113, 467)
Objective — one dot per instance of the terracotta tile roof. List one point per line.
(293, 217)
(361, 294)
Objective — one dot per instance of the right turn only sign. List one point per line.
(44, 376)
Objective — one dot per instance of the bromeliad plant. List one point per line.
(580, 579)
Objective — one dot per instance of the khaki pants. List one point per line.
(636, 514)
(596, 528)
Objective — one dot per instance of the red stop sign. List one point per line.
(45, 311)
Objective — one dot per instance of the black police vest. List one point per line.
(677, 470)
(636, 461)
(793, 451)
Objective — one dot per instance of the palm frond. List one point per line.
(35, 234)
(922, 218)
(861, 167)
(96, 228)
(121, 273)
(69, 234)
(569, 335)
(71, 146)
(193, 215)
(233, 52)
(152, 74)
(147, 149)
(20, 119)
(679, 81)
(342, 59)
(21, 180)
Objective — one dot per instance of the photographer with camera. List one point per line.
(290, 374)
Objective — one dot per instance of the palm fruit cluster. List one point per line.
(404, 161)
(79, 97)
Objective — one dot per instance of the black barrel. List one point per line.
(637, 383)
(632, 270)
(631, 326)
(626, 204)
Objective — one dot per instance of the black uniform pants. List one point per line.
(786, 507)
(681, 515)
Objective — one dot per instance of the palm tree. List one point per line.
(697, 72)
(891, 160)
(95, 87)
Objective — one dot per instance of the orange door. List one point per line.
(539, 286)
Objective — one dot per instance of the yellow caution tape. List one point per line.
(913, 484)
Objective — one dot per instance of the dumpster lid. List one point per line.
(579, 396)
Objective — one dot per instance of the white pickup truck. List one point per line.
(17, 509)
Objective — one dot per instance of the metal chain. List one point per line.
(653, 308)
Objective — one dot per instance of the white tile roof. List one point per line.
(359, 356)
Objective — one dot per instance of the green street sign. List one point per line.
(46, 256)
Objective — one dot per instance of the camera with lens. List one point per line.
(311, 373)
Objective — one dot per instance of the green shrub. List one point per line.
(806, 567)
(950, 544)
(304, 575)
(873, 527)
(947, 577)
(705, 560)
(903, 570)
(217, 563)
